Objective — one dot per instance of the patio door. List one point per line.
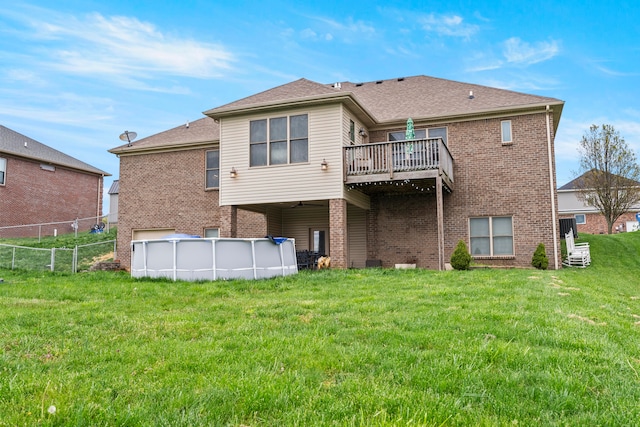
(318, 240)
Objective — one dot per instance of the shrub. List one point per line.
(461, 259)
(540, 260)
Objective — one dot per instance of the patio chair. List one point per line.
(578, 254)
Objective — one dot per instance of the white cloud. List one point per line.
(520, 52)
(123, 47)
(447, 25)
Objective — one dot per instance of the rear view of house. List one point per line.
(342, 169)
(39, 184)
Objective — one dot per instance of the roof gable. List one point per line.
(16, 144)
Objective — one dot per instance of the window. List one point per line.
(352, 132)
(212, 232)
(279, 140)
(213, 169)
(421, 134)
(506, 132)
(3, 170)
(491, 236)
(581, 218)
(318, 241)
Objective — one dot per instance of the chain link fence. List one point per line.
(72, 260)
(55, 228)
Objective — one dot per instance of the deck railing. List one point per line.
(398, 156)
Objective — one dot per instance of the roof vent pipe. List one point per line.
(471, 94)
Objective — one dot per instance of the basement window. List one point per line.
(491, 236)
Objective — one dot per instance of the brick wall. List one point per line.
(489, 180)
(167, 190)
(33, 195)
(596, 223)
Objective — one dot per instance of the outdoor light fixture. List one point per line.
(233, 173)
(324, 165)
(362, 132)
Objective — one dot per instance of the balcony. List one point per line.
(387, 163)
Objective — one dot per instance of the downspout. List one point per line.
(552, 192)
(100, 183)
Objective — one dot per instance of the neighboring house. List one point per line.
(329, 166)
(113, 201)
(39, 184)
(588, 218)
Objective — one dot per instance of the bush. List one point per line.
(540, 260)
(461, 259)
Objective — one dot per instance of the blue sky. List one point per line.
(76, 74)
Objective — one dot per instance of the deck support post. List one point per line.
(440, 220)
(338, 233)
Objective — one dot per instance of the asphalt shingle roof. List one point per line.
(197, 132)
(383, 101)
(418, 97)
(16, 144)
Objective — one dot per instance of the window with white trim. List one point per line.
(491, 236)
(421, 134)
(213, 169)
(580, 218)
(212, 232)
(505, 127)
(279, 140)
(3, 170)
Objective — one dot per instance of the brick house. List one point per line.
(334, 167)
(39, 184)
(588, 218)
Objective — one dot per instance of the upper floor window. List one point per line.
(279, 140)
(421, 134)
(506, 131)
(3, 170)
(352, 132)
(491, 236)
(213, 169)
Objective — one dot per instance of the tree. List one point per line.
(610, 174)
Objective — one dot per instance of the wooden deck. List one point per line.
(406, 161)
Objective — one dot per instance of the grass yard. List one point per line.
(91, 249)
(348, 348)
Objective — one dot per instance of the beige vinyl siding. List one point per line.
(274, 222)
(357, 235)
(289, 182)
(353, 196)
(298, 221)
(347, 117)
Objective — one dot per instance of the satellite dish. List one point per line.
(128, 136)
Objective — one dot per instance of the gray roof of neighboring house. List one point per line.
(16, 144)
(115, 187)
(197, 132)
(418, 97)
(574, 183)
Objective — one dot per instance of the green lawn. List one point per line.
(356, 348)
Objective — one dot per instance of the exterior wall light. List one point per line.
(324, 165)
(233, 173)
(362, 132)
